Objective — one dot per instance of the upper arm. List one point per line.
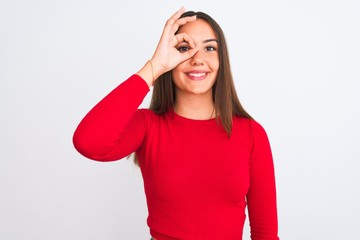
(119, 143)
(261, 197)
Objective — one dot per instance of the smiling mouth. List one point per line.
(197, 76)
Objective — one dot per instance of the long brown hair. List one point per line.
(225, 99)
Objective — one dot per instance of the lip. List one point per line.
(197, 75)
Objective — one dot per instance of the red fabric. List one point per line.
(197, 181)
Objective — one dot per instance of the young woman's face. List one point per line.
(197, 75)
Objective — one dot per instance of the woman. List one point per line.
(203, 158)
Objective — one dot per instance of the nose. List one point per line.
(197, 59)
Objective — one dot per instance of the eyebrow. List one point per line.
(207, 40)
(210, 40)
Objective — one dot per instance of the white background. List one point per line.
(297, 71)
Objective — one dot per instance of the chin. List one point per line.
(200, 91)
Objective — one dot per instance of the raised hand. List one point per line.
(166, 55)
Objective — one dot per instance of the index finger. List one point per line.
(182, 21)
(176, 15)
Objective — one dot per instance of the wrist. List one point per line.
(157, 68)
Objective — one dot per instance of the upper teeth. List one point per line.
(197, 74)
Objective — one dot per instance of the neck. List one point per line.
(198, 107)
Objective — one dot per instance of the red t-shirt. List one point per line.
(197, 180)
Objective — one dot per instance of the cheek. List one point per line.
(179, 69)
(212, 61)
(214, 64)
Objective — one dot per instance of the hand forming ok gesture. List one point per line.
(166, 55)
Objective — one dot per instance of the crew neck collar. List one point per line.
(182, 118)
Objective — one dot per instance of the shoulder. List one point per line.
(250, 126)
(256, 127)
(247, 123)
(259, 137)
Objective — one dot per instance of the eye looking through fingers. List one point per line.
(183, 48)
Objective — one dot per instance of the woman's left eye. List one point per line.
(210, 48)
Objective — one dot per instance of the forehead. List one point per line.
(199, 29)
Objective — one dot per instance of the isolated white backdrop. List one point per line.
(297, 71)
